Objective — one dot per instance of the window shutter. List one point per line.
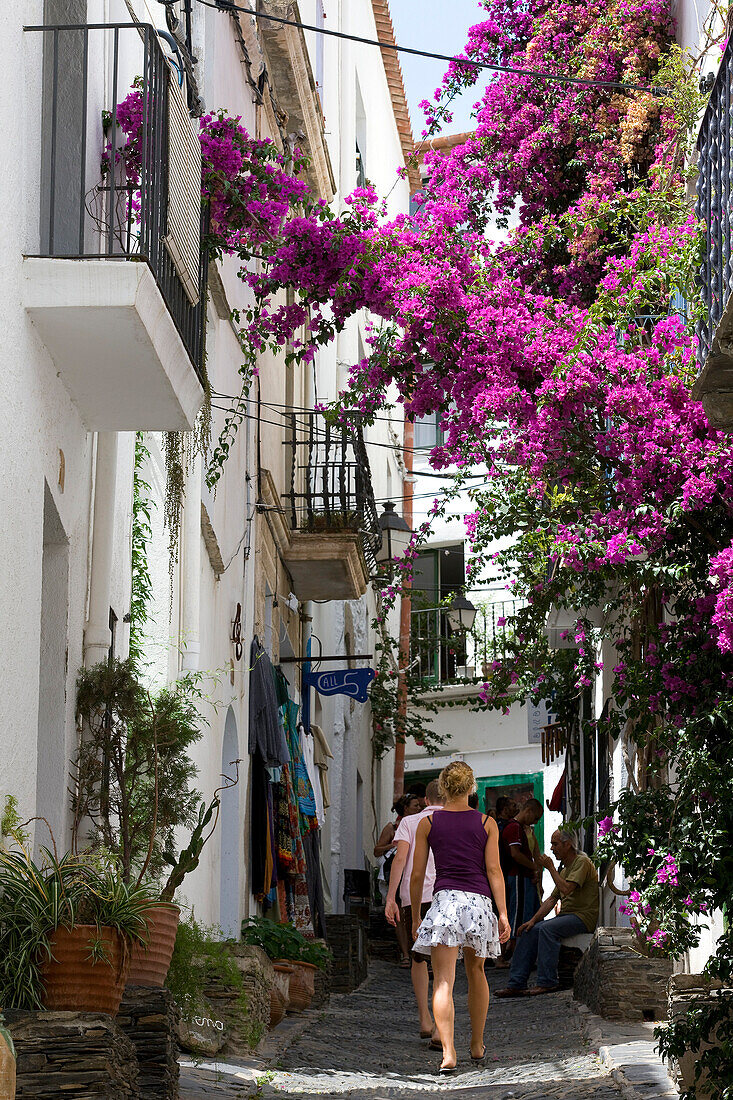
(183, 240)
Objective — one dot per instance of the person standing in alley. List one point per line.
(404, 838)
(523, 874)
(385, 850)
(465, 846)
(506, 808)
(576, 888)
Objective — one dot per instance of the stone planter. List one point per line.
(688, 991)
(348, 939)
(78, 1055)
(280, 992)
(150, 964)
(616, 982)
(148, 1018)
(301, 986)
(246, 1026)
(7, 1066)
(74, 982)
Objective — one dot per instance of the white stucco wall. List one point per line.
(361, 788)
(494, 744)
(44, 443)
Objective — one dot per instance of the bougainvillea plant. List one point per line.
(560, 358)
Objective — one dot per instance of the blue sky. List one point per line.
(439, 26)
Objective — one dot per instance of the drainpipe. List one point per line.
(405, 617)
(190, 641)
(97, 635)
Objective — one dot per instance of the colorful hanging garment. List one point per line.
(290, 855)
(301, 779)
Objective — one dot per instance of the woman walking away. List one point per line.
(465, 844)
(385, 850)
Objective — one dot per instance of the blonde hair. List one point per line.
(456, 780)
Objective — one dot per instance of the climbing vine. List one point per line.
(142, 586)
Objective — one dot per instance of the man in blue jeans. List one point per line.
(576, 888)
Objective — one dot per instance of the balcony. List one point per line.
(714, 385)
(439, 658)
(115, 275)
(333, 517)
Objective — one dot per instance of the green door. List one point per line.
(520, 786)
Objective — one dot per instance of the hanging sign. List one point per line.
(537, 718)
(341, 681)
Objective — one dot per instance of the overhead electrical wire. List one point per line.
(321, 432)
(277, 405)
(227, 6)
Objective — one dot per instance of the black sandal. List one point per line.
(478, 1060)
(446, 1071)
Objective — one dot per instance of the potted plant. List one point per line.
(288, 947)
(132, 780)
(66, 930)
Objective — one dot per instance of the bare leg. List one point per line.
(478, 998)
(444, 976)
(421, 985)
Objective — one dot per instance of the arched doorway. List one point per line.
(230, 834)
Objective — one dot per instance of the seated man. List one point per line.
(576, 888)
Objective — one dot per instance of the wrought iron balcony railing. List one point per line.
(91, 205)
(714, 196)
(331, 482)
(438, 656)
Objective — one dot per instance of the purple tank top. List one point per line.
(458, 842)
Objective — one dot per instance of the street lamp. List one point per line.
(396, 536)
(461, 614)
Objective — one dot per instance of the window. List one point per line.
(428, 434)
(360, 169)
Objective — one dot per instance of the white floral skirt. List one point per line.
(459, 919)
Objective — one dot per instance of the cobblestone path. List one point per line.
(366, 1045)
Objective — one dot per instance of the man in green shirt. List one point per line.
(576, 888)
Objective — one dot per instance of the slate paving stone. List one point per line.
(365, 1046)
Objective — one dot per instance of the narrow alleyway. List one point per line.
(366, 1045)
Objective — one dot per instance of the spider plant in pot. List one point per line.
(132, 790)
(67, 926)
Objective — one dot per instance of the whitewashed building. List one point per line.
(99, 347)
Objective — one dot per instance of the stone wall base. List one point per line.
(322, 987)
(244, 1024)
(690, 991)
(149, 1019)
(76, 1054)
(568, 963)
(617, 982)
(348, 939)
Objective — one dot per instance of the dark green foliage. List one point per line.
(283, 941)
(200, 957)
(142, 586)
(132, 776)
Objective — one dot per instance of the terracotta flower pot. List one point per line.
(74, 982)
(301, 986)
(150, 964)
(279, 993)
(7, 1068)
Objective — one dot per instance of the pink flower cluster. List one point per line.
(517, 345)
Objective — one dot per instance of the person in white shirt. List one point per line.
(404, 838)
